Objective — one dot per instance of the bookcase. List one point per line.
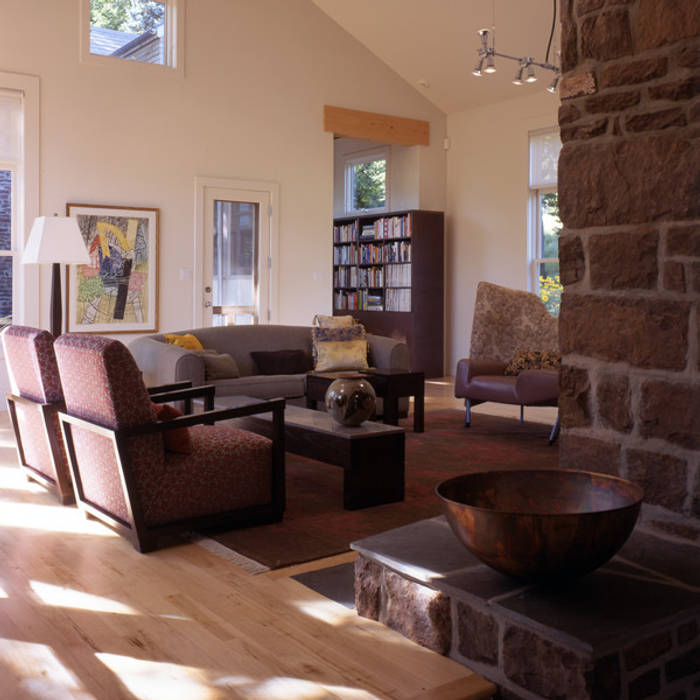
(388, 273)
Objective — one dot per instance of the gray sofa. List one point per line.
(162, 363)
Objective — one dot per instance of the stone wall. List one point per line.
(629, 196)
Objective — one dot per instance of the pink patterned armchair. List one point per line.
(34, 408)
(122, 471)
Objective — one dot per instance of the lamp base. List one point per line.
(56, 310)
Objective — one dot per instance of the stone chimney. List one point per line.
(629, 193)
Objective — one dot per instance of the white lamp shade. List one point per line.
(55, 239)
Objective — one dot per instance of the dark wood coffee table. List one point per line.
(390, 385)
(371, 454)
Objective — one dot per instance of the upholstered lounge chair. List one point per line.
(125, 476)
(34, 404)
(505, 322)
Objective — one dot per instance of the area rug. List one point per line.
(315, 524)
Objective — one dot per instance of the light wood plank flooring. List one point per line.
(82, 615)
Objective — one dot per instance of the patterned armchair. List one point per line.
(34, 405)
(122, 471)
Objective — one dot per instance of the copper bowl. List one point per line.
(539, 525)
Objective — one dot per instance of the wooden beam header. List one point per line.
(382, 128)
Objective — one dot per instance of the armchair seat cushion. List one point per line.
(228, 469)
(489, 387)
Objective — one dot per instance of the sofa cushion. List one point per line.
(333, 321)
(533, 359)
(344, 354)
(218, 365)
(262, 386)
(178, 439)
(281, 361)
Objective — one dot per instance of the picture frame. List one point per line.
(118, 291)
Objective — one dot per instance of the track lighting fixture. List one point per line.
(487, 54)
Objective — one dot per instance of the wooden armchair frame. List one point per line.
(61, 486)
(144, 537)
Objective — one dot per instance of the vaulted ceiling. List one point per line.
(435, 41)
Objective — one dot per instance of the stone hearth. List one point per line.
(629, 630)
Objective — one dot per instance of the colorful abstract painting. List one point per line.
(117, 291)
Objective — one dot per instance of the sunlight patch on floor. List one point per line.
(155, 680)
(3, 593)
(39, 672)
(13, 478)
(325, 611)
(64, 597)
(285, 688)
(50, 519)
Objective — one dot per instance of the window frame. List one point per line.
(534, 219)
(353, 159)
(25, 200)
(173, 38)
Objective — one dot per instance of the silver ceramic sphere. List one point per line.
(350, 400)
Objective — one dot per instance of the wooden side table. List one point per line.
(389, 384)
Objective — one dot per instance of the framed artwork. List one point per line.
(118, 291)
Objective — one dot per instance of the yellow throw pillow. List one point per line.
(187, 341)
(341, 354)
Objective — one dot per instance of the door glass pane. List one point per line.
(5, 210)
(236, 255)
(550, 225)
(550, 287)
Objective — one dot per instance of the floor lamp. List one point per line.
(55, 239)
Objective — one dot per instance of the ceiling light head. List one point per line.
(477, 68)
(518, 80)
(553, 85)
(531, 77)
(484, 36)
(490, 64)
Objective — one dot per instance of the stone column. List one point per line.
(629, 193)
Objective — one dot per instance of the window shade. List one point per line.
(544, 155)
(10, 126)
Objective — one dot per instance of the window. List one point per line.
(366, 186)
(10, 164)
(143, 31)
(544, 223)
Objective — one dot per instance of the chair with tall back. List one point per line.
(124, 469)
(33, 405)
(505, 322)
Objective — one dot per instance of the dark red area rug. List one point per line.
(315, 524)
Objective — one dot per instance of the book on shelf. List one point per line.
(398, 299)
(397, 251)
(398, 275)
(345, 233)
(394, 226)
(345, 255)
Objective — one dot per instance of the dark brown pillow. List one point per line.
(533, 359)
(282, 361)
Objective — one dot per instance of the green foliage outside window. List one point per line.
(369, 185)
(135, 16)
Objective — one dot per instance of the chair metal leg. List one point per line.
(555, 431)
(522, 414)
(467, 413)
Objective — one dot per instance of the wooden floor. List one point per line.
(82, 615)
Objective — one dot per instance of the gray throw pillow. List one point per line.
(218, 365)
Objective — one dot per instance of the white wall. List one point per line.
(250, 106)
(404, 170)
(487, 198)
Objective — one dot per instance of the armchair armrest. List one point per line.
(168, 387)
(186, 395)
(467, 369)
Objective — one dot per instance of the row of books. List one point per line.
(398, 251)
(345, 277)
(345, 255)
(398, 275)
(398, 299)
(360, 300)
(390, 227)
(345, 233)
(371, 253)
(371, 277)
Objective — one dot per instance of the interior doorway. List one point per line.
(236, 239)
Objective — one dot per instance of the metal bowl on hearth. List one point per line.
(541, 525)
